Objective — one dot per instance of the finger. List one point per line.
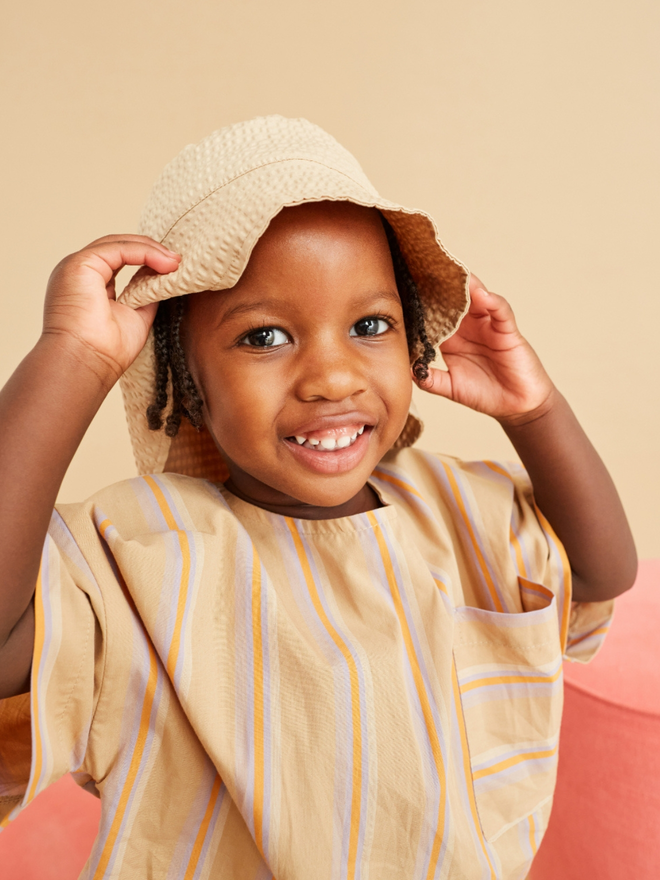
(108, 258)
(476, 283)
(147, 313)
(495, 307)
(500, 312)
(145, 239)
(480, 301)
(438, 382)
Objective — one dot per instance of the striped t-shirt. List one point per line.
(254, 696)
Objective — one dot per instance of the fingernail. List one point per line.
(484, 291)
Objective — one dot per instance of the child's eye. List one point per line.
(371, 326)
(265, 337)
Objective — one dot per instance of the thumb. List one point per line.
(147, 313)
(438, 382)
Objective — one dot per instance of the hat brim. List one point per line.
(216, 237)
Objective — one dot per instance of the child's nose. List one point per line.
(330, 372)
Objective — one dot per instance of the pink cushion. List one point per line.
(53, 837)
(605, 821)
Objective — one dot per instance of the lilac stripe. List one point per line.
(476, 833)
(458, 520)
(346, 689)
(210, 830)
(424, 743)
(245, 638)
(496, 671)
(540, 746)
(267, 732)
(362, 706)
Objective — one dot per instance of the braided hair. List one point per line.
(171, 360)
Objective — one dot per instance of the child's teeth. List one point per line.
(329, 443)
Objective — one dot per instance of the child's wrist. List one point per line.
(519, 420)
(69, 354)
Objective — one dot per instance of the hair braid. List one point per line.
(161, 332)
(171, 361)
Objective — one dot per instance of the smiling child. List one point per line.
(295, 646)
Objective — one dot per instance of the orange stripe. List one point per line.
(421, 690)
(143, 730)
(596, 632)
(203, 828)
(184, 546)
(39, 640)
(513, 679)
(258, 703)
(532, 841)
(513, 538)
(516, 759)
(512, 535)
(135, 763)
(475, 546)
(441, 586)
(465, 750)
(175, 644)
(396, 482)
(355, 700)
(498, 469)
(103, 528)
(162, 503)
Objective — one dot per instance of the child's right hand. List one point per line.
(88, 341)
(81, 305)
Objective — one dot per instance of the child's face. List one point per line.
(310, 344)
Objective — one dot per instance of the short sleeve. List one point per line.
(44, 733)
(540, 559)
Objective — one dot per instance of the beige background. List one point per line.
(529, 130)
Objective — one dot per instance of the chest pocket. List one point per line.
(509, 678)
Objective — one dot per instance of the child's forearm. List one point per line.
(575, 492)
(45, 409)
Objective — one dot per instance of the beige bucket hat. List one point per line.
(212, 203)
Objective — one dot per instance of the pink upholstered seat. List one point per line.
(605, 822)
(52, 838)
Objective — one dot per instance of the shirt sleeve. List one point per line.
(44, 733)
(540, 559)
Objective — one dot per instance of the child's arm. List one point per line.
(492, 369)
(88, 340)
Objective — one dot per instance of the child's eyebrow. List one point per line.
(274, 305)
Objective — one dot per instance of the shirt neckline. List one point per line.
(244, 510)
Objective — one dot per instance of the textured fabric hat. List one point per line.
(212, 203)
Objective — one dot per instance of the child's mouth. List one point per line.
(339, 439)
(331, 450)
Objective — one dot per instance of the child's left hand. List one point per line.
(490, 367)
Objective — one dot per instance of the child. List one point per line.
(307, 650)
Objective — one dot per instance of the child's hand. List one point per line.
(81, 306)
(490, 367)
